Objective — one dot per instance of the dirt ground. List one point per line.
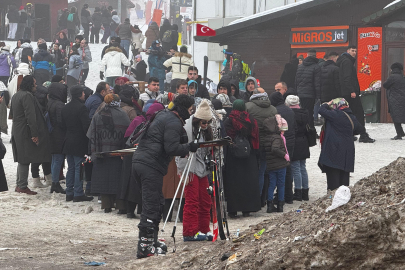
(46, 232)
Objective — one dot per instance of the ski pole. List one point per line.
(181, 197)
(177, 190)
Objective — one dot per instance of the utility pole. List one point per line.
(119, 10)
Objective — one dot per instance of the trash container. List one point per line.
(371, 101)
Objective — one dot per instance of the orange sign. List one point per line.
(369, 56)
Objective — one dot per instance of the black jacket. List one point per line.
(348, 75)
(301, 148)
(140, 71)
(161, 142)
(41, 95)
(97, 19)
(13, 16)
(395, 86)
(76, 122)
(57, 93)
(338, 147)
(330, 81)
(289, 74)
(23, 17)
(62, 23)
(202, 89)
(308, 79)
(85, 16)
(277, 100)
(106, 18)
(274, 146)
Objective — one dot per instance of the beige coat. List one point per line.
(180, 63)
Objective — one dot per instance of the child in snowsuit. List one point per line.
(277, 159)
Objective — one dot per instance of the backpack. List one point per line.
(167, 36)
(70, 17)
(241, 147)
(245, 72)
(139, 131)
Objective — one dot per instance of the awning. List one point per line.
(385, 12)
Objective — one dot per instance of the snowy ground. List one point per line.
(46, 232)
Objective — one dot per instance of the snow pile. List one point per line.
(365, 233)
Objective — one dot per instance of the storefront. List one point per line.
(324, 25)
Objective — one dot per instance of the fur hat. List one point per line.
(397, 65)
(203, 111)
(292, 100)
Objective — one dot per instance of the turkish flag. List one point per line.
(203, 30)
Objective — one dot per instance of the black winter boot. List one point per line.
(146, 247)
(297, 195)
(305, 194)
(56, 187)
(280, 205)
(270, 207)
(365, 138)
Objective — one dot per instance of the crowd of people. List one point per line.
(57, 118)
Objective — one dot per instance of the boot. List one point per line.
(56, 187)
(365, 138)
(280, 205)
(270, 207)
(36, 183)
(48, 180)
(146, 247)
(305, 194)
(297, 195)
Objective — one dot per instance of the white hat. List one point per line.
(6, 48)
(203, 111)
(292, 100)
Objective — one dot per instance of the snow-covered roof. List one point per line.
(71, 1)
(270, 11)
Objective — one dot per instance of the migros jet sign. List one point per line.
(319, 35)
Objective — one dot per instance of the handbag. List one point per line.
(311, 136)
(241, 147)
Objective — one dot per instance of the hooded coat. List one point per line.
(238, 94)
(308, 79)
(330, 81)
(111, 63)
(348, 75)
(301, 148)
(202, 89)
(337, 149)
(395, 86)
(260, 108)
(180, 63)
(165, 26)
(28, 122)
(247, 94)
(274, 145)
(152, 34)
(57, 94)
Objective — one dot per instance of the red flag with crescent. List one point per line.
(203, 30)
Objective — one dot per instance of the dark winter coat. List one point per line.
(395, 86)
(202, 89)
(260, 109)
(278, 101)
(152, 34)
(76, 22)
(348, 75)
(106, 18)
(238, 94)
(140, 71)
(330, 81)
(174, 40)
(43, 60)
(338, 146)
(58, 60)
(64, 42)
(246, 95)
(97, 19)
(161, 142)
(28, 122)
(85, 16)
(274, 146)
(62, 23)
(76, 123)
(13, 16)
(164, 27)
(308, 79)
(23, 17)
(301, 148)
(92, 104)
(57, 93)
(289, 74)
(41, 94)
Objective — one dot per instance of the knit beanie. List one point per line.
(292, 100)
(398, 66)
(76, 91)
(56, 78)
(239, 105)
(203, 111)
(282, 123)
(42, 46)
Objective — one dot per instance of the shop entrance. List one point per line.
(42, 22)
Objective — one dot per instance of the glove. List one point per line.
(193, 147)
(287, 157)
(101, 75)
